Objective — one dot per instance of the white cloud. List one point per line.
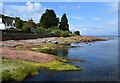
(25, 12)
(96, 18)
(29, 7)
(77, 17)
(33, 7)
(109, 27)
(97, 30)
(38, 6)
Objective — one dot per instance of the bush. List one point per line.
(64, 33)
(11, 28)
(26, 28)
(40, 29)
(54, 28)
(43, 30)
(56, 32)
(77, 32)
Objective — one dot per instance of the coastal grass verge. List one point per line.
(18, 70)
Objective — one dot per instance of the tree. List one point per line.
(26, 28)
(18, 23)
(77, 32)
(49, 19)
(64, 23)
(29, 25)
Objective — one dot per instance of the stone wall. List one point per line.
(21, 35)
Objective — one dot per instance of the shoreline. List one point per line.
(23, 50)
(53, 40)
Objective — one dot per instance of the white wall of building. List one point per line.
(2, 26)
(0, 20)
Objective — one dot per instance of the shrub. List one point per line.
(55, 28)
(40, 29)
(77, 32)
(11, 28)
(43, 30)
(64, 33)
(56, 32)
(26, 28)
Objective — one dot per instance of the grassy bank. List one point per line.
(18, 70)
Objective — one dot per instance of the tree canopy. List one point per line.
(28, 25)
(18, 23)
(77, 32)
(64, 23)
(49, 19)
(48, 23)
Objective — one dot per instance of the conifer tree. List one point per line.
(64, 23)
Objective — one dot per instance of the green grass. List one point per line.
(46, 50)
(55, 52)
(51, 49)
(18, 70)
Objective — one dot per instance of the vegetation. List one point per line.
(49, 19)
(48, 24)
(11, 28)
(54, 51)
(77, 32)
(28, 25)
(64, 34)
(64, 23)
(26, 28)
(18, 70)
(18, 23)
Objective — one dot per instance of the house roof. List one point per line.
(8, 21)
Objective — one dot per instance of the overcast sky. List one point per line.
(90, 18)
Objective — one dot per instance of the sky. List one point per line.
(90, 18)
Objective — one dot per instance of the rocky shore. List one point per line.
(22, 50)
(16, 49)
(53, 40)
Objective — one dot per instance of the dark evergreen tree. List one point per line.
(49, 19)
(64, 23)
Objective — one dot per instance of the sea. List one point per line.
(100, 63)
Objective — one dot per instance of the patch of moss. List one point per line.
(45, 50)
(60, 66)
(67, 60)
(18, 70)
(54, 51)
(54, 45)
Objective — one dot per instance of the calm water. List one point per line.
(101, 63)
